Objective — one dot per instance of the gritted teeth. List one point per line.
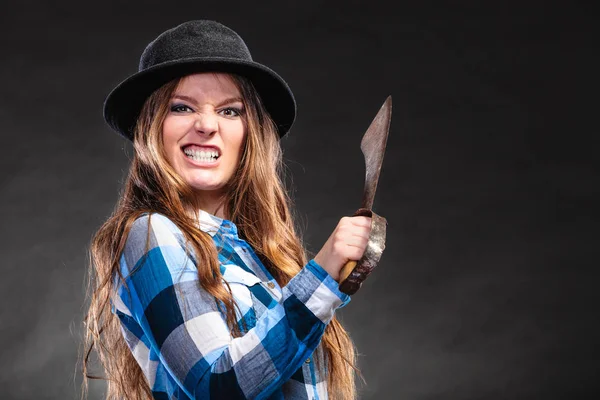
(203, 154)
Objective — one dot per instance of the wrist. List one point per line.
(319, 260)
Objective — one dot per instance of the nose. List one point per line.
(206, 123)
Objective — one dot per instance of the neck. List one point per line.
(211, 202)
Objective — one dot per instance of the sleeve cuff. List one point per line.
(328, 281)
(317, 290)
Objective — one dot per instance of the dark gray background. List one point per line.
(487, 288)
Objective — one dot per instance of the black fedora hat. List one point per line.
(196, 46)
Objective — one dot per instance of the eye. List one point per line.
(180, 108)
(231, 112)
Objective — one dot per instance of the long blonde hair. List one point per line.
(256, 202)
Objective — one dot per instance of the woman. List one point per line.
(200, 287)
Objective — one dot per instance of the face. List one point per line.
(203, 133)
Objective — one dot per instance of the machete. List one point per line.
(373, 146)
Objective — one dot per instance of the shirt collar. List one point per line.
(212, 224)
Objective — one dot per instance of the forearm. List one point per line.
(256, 364)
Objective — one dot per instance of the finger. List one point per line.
(354, 253)
(361, 221)
(351, 231)
(361, 233)
(357, 242)
(360, 230)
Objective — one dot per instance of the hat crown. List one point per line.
(194, 39)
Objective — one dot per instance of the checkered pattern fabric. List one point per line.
(177, 331)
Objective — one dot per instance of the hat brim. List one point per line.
(124, 104)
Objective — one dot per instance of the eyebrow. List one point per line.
(222, 103)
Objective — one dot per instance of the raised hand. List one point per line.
(347, 242)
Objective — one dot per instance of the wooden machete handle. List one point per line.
(346, 269)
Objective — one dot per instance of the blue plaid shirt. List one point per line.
(177, 332)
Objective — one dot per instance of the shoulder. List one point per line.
(148, 232)
(153, 224)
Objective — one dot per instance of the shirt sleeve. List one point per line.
(182, 323)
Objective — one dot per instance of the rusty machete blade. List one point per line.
(373, 147)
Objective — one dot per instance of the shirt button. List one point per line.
(271, 285)
(307, 361)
